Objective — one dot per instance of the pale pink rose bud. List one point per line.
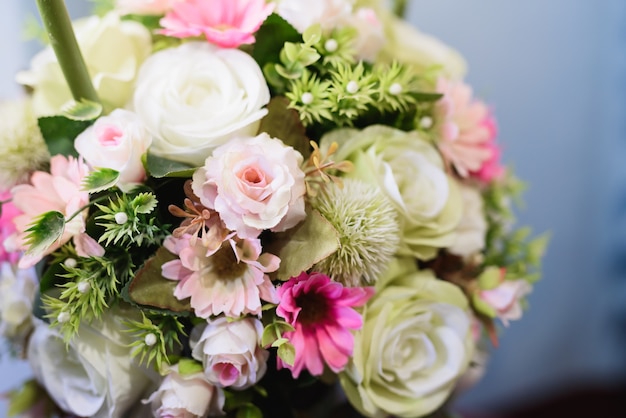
(186, 396)
(254, 184)
(116, 141)
(505, 299)
(231, 353)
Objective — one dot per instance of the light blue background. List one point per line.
(555, 73)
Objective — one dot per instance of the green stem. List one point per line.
(58, 25)
(399, 8)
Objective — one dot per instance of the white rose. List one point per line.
(414, 345)
(370, 34)
(196, 97)
(472, 229)
(231, 352)
(302, 14)
(17, 291)
(407, 45)
(116, 141)
(79, 376)
(113, 52)
(186, 396)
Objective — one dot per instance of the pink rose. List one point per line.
(59, 190)
(231, 352)
(254, 184)
(505, 299)
(184, 396)
(116, 141)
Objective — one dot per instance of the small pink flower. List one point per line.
(144, 7)
(254, 184)
(505, 299)
(231, 352)
(321, 311)
(186, 396)
(225, 23)
(231, 280)
(7, 229)
(467, 132)
(59, 190)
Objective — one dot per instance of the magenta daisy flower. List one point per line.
(321, 311)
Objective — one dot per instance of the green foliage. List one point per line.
(270, 38)
(83, 110)
(187, 366)
(511, 249)
(102, 7)
(303, 246)
(30, 395)
(309, 96)
(149, 288)
(45, 230)
(59, 133)
(160, 167)
(155, 339)
(126, 221)
(284, 123)
(100, 179)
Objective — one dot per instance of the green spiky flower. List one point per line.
(368, 231)
(309, 96)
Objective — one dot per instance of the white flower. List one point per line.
(143, 7)
(113, 51)
(196, 97)
(472, 229)
(22, 148)
(414, 345)
(254, 184)
(17, 291)
(302, 14)
(116, 141)
(370, 34)
(95, 376)
(186, 396)
(230, 352)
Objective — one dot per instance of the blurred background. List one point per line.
(555, 73)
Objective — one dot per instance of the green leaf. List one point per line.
(24, 398)
(84, 110)
(249, 411)
(44, 231)
(150, 288)
(427, 97)
(59, 133)
(271, 37)
(52, 277)
(305, 245)
(483, 307)
(99, 180)
(144, 203)
(187, 366)
(287, 353)
(490, 278)
(313, 34)
(160, 167)
(280, 342)
(285, 124)
(270, 334)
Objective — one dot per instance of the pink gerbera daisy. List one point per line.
(321, 311)
(225, 23)
(231, 279)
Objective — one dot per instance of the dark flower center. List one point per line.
(314, 308)
(225, 265)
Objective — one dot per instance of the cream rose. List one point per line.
(78, 376)
(116, 141)
(472, 230)
(410, 172)
(410, 46)
(231, 352)
(17, 291)
(414, 345)
(113, 50)
(196, 97)
(186, 396)
(254, 184)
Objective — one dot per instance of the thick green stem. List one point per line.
(58, 25)
(399, 8)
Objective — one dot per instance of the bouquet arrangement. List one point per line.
(251, 208)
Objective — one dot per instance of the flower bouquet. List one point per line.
(251, 208)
